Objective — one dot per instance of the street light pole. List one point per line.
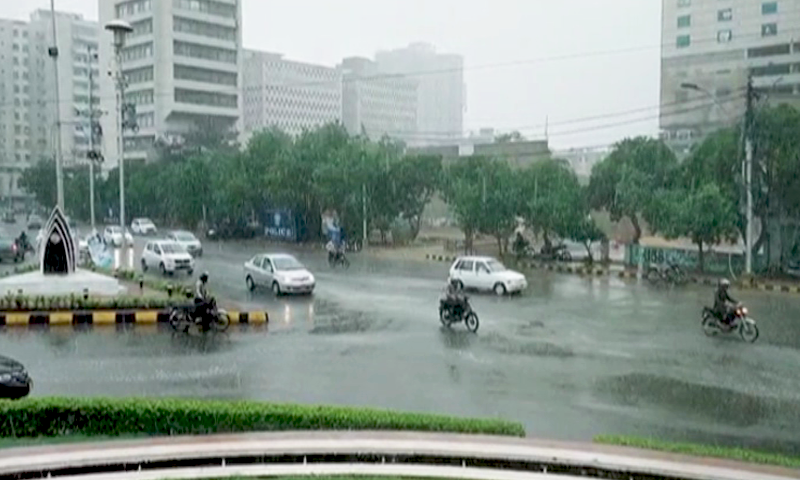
(53, 52)
(92, 155)
(748, 167)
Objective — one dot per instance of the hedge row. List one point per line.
(40, 303)
(177, 289)
(54, 416)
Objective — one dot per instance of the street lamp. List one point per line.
(120, 29)
(53, 53)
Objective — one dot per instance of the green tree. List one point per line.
(416, 178)
(40, 181)
(553, 203)
(500, 203)
(463, 190)
(623, 182)
(704, 214)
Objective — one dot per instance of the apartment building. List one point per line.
(15, 138)
(709, 47)
(288, 95)
(182, 66)
(441, 97)
(376, 103)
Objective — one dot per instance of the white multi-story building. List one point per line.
(376, 103)
(182, 66)
(15, 138)
(583, 159)
(288, 95)
(440, 94)
(713, 45)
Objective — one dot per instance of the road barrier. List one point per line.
(111, 317)
(631, 274)
(401, 454)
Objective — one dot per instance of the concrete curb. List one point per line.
(110, 317)
(629, 274)
(415, 454)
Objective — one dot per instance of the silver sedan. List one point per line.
(280, 272)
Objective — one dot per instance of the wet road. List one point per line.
(570, 358)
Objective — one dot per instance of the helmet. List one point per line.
(724, 283)
(204, 276)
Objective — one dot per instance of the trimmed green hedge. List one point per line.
(49, 417)
(179, 289)
(40, 303)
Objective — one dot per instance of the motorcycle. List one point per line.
(338, 259)
(181, 318)
(741, 323)
(670, 273)
(558, 253)
(24, 245)
(462, 313)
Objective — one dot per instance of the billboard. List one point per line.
(281, 224)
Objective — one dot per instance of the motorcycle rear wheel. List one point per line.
(710, 327)
(472, 322)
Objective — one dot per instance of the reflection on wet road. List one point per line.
(571, 357)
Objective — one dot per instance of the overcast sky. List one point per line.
(526, 60)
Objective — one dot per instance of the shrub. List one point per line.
(38, 303)
(54, 416)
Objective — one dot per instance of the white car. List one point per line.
(486, 273)
(280, 272)
(188, 240)
(143, 226)
(113, 236)
(167, 256)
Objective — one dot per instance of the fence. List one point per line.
(719, 263)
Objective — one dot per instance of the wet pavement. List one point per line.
(570, 358)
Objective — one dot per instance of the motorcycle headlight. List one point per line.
(5, 377)
(743, 310)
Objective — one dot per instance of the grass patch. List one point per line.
(121, 417)
(700, 450)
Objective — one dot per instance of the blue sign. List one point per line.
(280, 224)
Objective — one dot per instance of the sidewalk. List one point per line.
(349, 449)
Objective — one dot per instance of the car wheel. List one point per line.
(251, 285)
(144, 265)
(163, 269)
(499, 289)
(459, 285)
(276, 289)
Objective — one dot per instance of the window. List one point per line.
(139, 75)
(724, 36)
(204, 29)
(769, 51)
(683, 41)
(213, 99)
(182, 72)
(132, 7)
(143, 27)
(194, 50)
(137, 52)
(684, 21)
(684, 3)
(466, 265)
(769, 29)
(768, 8)
(725, 15)
(211, 7)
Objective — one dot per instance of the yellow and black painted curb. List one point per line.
(630, 274)
(111, 317)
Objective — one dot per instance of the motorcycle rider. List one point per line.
(724, 304)
(334, 248)
(201, 301)
(453, 300)
(22, 242)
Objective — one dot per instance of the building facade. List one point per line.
(709, 47)
(441, 98)
(376, 103)
(181, 65)
(583, 159)
(288, 95)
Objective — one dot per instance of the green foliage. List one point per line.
(553, 202)
(15, 302)
(50, 417)
(718, 451)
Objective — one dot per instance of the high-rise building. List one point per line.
(440, 94)
(182, 68)
(291, 96)
(15, 137)
(709, 47)
(376, 103)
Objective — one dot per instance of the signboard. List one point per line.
(280, 224)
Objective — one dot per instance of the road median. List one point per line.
(111, 317)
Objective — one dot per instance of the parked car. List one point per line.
(9, 249)
(35, 222)
(486, 273)
(280, 272)
(188, 240)
(143, 226)
(9, 217)
(113, 236)
(168, 256)
(15, 383)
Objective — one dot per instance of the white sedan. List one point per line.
(188, 240)
(280, 272)
(113, 236)
(143, 226)
(486, 273)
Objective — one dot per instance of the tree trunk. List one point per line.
(589, 257)
(637, 229)
(468, 242)
(700, 257)
(499, 239)
(415, 223)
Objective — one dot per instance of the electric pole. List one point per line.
(53, 53)
(748, 172)
(95, 133)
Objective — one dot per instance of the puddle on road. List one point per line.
(717, 404)
(333, 320)
(508, 346)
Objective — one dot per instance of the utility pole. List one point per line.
(94, 133)
(748, 180)
(53, 53)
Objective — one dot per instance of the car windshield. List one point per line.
(287, 263)
(185, 237)
(495, 266)
(172, 248)
(115, 229)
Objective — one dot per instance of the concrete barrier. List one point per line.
(402, 454)
(111, 317)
